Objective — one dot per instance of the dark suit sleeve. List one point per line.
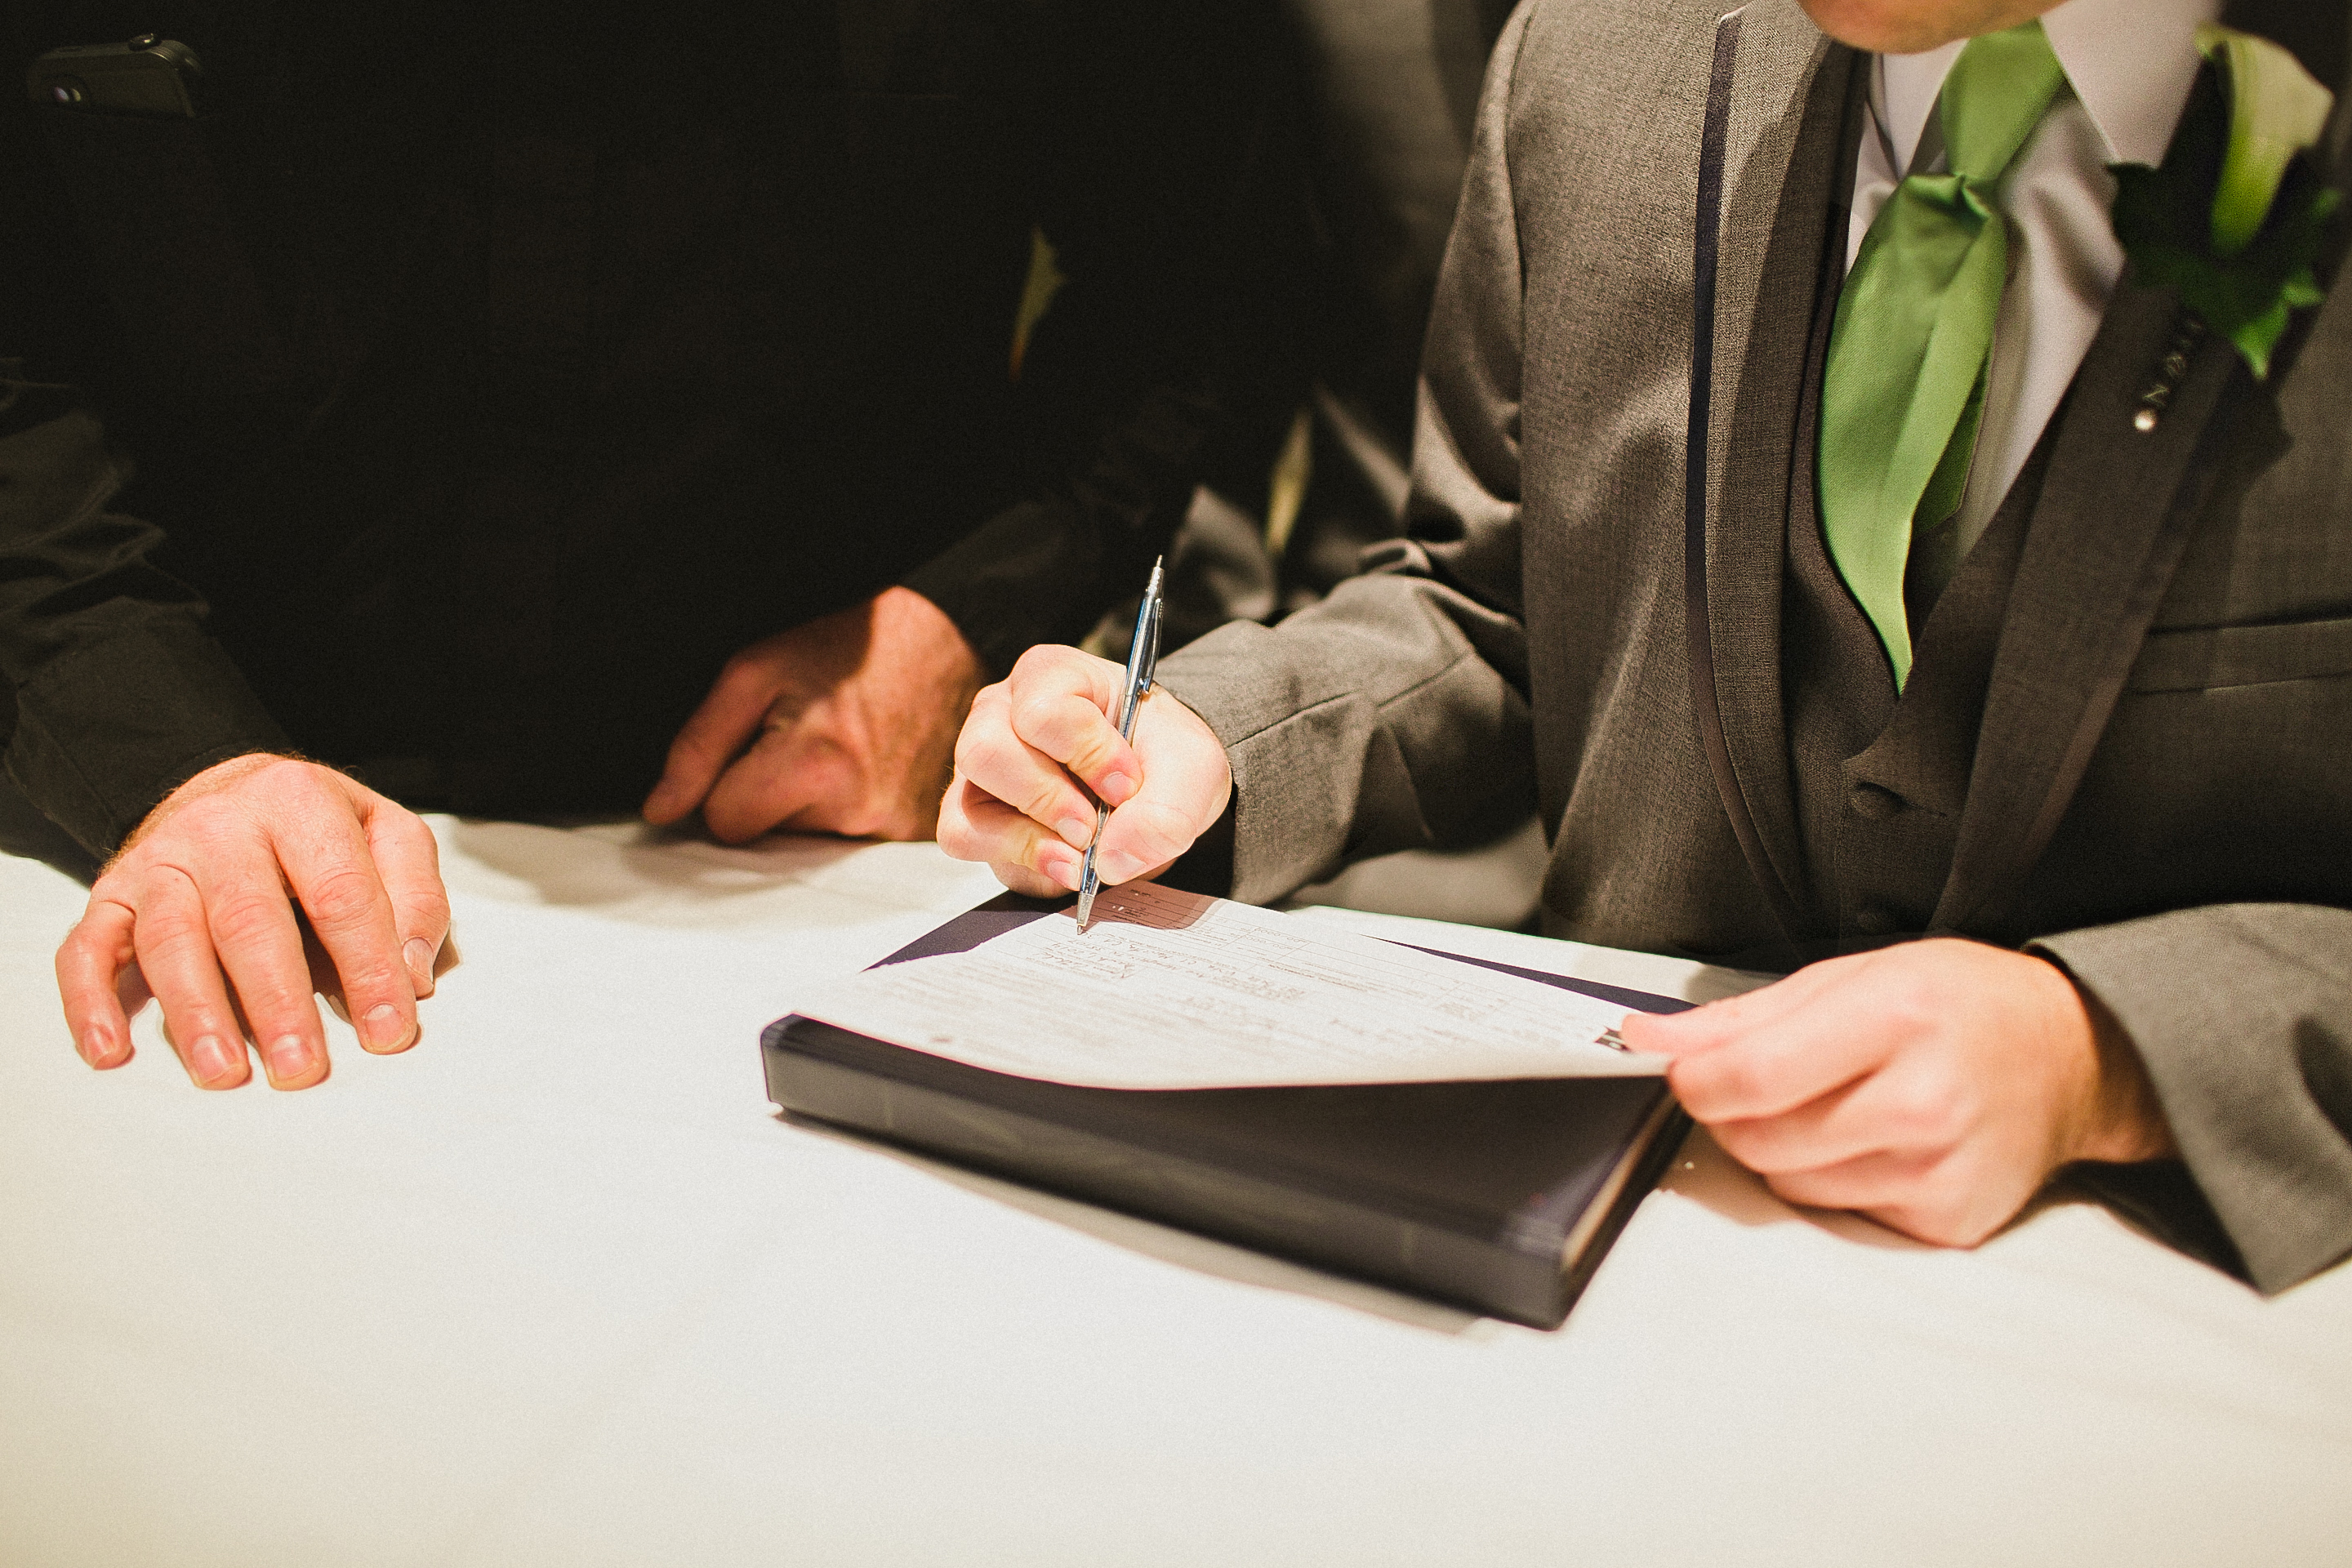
(111, 692)
(2242, 1014)
(119, 693)
(1165, 175)
(1394, 715)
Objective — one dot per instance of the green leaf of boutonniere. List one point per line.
(2236, 217)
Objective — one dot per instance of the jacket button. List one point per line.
(1874, 919)
(1874, 802)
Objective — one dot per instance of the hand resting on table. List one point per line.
(199, 909)
(844, 725)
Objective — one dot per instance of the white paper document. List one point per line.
(1170, 990)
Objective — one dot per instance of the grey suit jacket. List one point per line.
(2150, 775)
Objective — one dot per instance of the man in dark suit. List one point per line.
(2070, 762)
(535, 408)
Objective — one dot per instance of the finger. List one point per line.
(1780, 1065)
(1027, 883)
(1826, 1132)
(993, 756)
(1718, 1022)
(1942, 1197)
(1065, 703)
(408, 859)
(1909, 1105)
(784, 774)
(709, 741)
(1869, 1181)
(975, 826)
(1188, 780)
(331, 866)
(132, 990)
(324, 981)
(175, 944)
(91, 962)
(258, 944)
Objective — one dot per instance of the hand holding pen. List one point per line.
(1065, 768)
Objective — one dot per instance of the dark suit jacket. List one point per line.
(459, 388)
(2131, 743)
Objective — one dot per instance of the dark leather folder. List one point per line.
(1502, 1197)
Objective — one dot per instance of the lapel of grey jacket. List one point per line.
(1783, 154)
(2114, 515)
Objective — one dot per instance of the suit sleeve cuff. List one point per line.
(2243, 1015)
(1030, 575)
(106, 729)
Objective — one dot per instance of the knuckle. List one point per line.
(239, 921)
(374, 979)
(81, 943)
(1914, 1118)
(275, 1006)
(289, 781)
(981, 750)
(1034, 714)
(1733, 1080)
(955, 839)
(1039, 663)
(342, 897)
(1050, 802)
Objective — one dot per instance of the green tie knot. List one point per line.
(1993, 97)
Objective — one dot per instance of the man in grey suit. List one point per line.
(2069, 784)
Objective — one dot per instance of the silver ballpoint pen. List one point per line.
(1142, 660)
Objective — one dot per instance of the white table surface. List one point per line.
(559, 1288)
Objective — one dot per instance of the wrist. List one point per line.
(2122, 1122)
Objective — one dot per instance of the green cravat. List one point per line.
(1904, 386)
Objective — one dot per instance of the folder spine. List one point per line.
(1056, 1136)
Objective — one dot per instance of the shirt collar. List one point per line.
(2131, 62)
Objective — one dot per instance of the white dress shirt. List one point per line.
(2129, 65)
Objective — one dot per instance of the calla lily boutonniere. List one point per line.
(2236, 215)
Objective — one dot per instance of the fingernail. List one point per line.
(1074, 832)
(419, 953)
(659, 802)
(381, 1029)
(97, 1049)
(288, 1059)
(211, 1061)
(1063, 866)
(1116, 787)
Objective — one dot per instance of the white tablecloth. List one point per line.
(559, 1288)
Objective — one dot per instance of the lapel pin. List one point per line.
(2187, 333)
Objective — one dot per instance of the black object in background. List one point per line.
(1501, 1195)
(147, 76)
